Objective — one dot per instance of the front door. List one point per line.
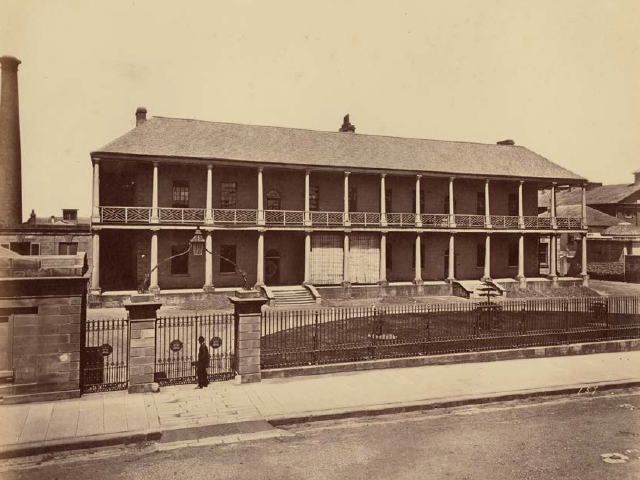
(272, 268)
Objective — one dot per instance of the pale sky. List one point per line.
(559, 77)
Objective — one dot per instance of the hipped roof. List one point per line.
(602, 195)
(195, 139)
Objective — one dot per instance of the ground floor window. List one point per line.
(179, 264)
(23, 248)
(228, 258)
(67, 248)
(543, 254)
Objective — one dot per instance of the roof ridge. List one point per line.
(333, 132)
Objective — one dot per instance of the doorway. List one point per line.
(272, 268)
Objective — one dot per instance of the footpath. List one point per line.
(227, 412)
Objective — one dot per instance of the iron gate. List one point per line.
(104, 355)
(177, 347)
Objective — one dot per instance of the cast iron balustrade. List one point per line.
(327, 218)
(435, 220)
(537, 222)
(235, 217)
(125, 214)
(364, 218)
(283, 217)
(297, 218)
(104, 355)
(470, 221)
(181, 215)
(505, 221)
(401, 219)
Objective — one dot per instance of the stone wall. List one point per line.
(45, 314)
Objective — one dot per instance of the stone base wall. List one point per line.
(632, 269)
(46, 316)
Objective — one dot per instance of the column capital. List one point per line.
(418, 177)
(155, 163)
(346, 173)
(307, 171)
(260, 169)
(487, 180)
(96, 160)
(383, 174)
(451, 178)
(521, 182)
(209, 166)
(554, 184)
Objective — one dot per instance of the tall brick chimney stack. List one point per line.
(10, 156)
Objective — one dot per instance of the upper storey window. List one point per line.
(180, 194)
(314, 198)
(229, 195)
(273, 200)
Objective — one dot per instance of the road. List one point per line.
(552, 438)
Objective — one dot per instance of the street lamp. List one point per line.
(197, 247)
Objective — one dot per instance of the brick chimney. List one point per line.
(346, 125)
(141, 116)
(636, 177)
(10, 156)
(506, 142)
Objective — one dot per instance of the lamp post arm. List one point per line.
(242, 272)
(144, 286)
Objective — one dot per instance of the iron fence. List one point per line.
(307, 337)
(177, 347)
(104, 355)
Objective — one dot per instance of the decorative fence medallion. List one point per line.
(106, 349)
(215, 342)
(175, 345)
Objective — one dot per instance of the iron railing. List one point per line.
(104, 355)
(125, 214)
(177, 347)
(283, 217)
(306, 337)
(181, 215)
(401, 219)
(364, 218)
(297, 218)
(469, 221)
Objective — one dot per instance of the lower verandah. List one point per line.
(125, 258)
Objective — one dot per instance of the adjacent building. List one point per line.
(291, 206)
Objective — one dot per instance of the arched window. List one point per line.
(273, 200)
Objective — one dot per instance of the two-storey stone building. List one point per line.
(292, 207)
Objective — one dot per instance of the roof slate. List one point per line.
(623, 231)
(595, 218)
(605, 194)
(173, 137)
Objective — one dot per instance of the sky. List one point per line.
(559, 77)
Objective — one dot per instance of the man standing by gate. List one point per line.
(202, 364)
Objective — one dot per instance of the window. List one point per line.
(389, 256)
(413, 256)
(314, 198)
(228, 194)
(480, 252)
(35, 249)
(67, 248)
(180, 194)
(70, 215)
(543, 259)
(227, 252)
(388, 195)
(413, 200)
(513, 254)
(480, 209)
(353, 199)
(273, 200)
(21, 248)
(513, 205)
(179, 265)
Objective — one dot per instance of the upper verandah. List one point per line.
(196, 140)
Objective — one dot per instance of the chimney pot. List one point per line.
(506, 142)
(141, 116)
(347, 126)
